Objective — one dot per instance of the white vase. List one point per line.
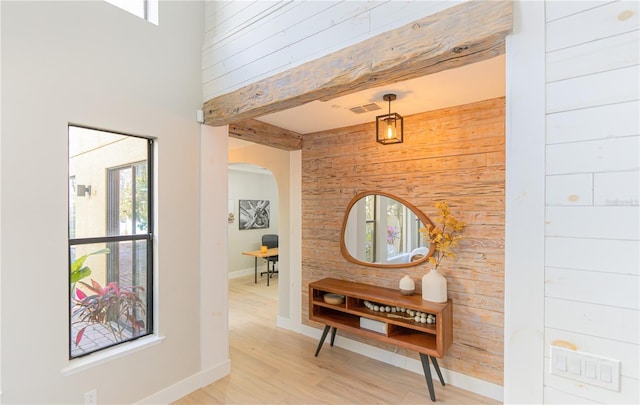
(434, 287)
(407, 285)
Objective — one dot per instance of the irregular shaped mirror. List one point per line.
(381, 230)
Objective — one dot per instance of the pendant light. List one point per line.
(389, 126)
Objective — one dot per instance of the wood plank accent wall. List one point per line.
(454, 154)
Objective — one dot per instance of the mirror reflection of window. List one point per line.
(370, 206)
(383, 230)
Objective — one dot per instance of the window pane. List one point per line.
(72, 207)
(109, 301)
(127, 200)
(141, 199)
(145, 9)
(369, 252)
(104, 197)
(394, 226)
(370, 208)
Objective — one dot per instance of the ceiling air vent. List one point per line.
(364, 108)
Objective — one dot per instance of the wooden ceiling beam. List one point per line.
(467, 33)
(265, 134)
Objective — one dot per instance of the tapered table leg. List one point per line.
(437, 367)
(324, 336)
(427, 374)
(333, 335)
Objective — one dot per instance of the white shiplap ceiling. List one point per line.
(467, 84)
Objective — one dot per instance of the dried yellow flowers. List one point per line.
(445, 235)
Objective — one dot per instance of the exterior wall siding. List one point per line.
(592, 248)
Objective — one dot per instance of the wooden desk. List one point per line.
(258, 254)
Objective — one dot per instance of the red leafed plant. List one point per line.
(111, 306)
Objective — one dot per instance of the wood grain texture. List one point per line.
(602, 155)
(591, 160)
(454, 154)
(265, 134)
(423, 47)
(622, 290)
(610, 87)
(622, 256)
(593, 57)
(620, 324)
(271, 365)
(611, 19)
(601, 122)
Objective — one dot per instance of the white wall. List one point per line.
(93, 64)
(592, 243)
(0, 200)
(245, 185)
(524, 207)
(213, 281)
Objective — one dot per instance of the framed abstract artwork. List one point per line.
(254, 214)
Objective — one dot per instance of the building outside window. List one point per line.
(110, 239)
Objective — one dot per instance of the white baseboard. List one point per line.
(188, 385)
(241, 273)
(454, 378)
(286, 323)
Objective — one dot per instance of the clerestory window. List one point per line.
(145, 9)
(110, 239)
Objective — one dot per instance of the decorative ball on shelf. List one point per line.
(411, 314)
(407, 285)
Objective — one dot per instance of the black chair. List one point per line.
(270, 241)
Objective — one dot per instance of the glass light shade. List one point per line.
(389, 128)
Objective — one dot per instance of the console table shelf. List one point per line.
(430, 340)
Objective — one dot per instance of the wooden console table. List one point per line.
(431, 341)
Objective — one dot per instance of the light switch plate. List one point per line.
(591, 369)
(586, 367)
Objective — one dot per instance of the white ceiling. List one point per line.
(467, 84)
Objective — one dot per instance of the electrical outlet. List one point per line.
(586, 368)
(91, 397)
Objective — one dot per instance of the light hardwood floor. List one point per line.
(275, 366)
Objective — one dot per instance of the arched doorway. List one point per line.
(278, 162)
(252, 188)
